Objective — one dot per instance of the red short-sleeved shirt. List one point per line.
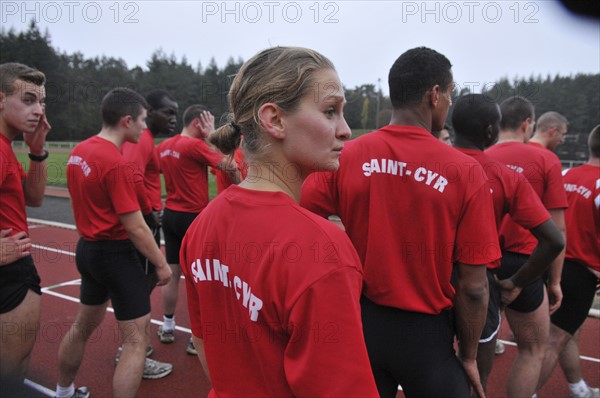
(184, 162)
(542, 169)
(582, 218)
(512, 194)
(144, 155)
(273, 290)
(102, 185)
(412, 206)
(12, 176)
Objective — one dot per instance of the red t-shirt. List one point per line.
(144, 155)
(12, 176)
(542, 169)
(412, 206)
(512, 194)
(183, 162)
(273, 290)
(582, 218)
(102, 185)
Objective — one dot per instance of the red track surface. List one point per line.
(55, 262)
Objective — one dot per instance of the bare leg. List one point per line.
(531, 334)
(170, 291)
(72, 347)
(135, 335)
(19, 329)
(569, 360)
(556, 343)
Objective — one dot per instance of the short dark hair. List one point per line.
(192, 112)
(472, 115)
(13, 71)
(120, 102)
(594, 142)
(515, 111)
(415, 72)
(155, 98)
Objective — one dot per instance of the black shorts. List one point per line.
(578, 285)
(175, 224)
(111, 269)
(492, 320)
(149, 268)
(16, 279)
(532, 295)
(413, 350)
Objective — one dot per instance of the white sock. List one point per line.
(65, 392)
(579, 388)
(534, 395)
(169, 323)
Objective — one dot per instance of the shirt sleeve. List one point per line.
(555, 196)
(205, 155)
(526, 208)
(476, 237)
(121, 183)
(326, 354)
(319, 193)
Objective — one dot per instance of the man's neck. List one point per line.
(112, 135)
(412, 117)
(594, 161)
(510, 136)
(539, 140)
(461, 142)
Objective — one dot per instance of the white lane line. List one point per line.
(39, 388)
(53, 250)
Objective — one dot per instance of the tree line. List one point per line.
(76, 84)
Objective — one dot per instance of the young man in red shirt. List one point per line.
(184, 162)
(103, 186)
(542, 169)
(22, 111)
(476, 122)
(581, 270)
(412, 207)
(161, 120)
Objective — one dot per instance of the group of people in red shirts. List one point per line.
(435, 241)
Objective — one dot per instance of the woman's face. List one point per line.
(315, 132)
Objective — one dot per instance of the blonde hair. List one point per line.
(279, 75)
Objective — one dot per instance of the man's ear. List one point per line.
(2, 100)
(270, 117)
(434, 97)
(525, 124)
(125, 121)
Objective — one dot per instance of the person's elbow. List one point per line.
(554, 239)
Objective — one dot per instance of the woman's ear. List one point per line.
(270, 117)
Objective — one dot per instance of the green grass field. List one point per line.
(57, 163)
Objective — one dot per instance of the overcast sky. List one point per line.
(484, 40)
